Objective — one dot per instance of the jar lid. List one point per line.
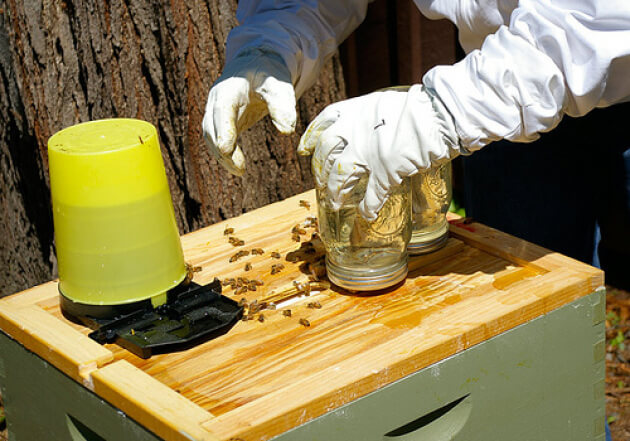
(357, 280)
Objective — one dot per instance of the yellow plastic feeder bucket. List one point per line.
(115, 232)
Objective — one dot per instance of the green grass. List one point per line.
(455, 207)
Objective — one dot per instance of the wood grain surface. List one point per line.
(264, 378)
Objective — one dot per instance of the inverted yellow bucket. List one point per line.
(115, 232)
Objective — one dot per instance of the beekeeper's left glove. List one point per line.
(253, 84)
(387, 135)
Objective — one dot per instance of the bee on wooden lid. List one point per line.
(310, 222)
(297, 229)
(276, 268)
(235, 241)
(228, 281)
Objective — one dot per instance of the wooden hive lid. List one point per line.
(264, 378)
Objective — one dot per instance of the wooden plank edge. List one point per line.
(521, 252)
(31, 296)
(151, 403)
(265, 417)
(64, 347)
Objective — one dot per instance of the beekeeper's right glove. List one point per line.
(253, 84)
(386, 136)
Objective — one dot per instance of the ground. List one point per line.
(618, 363)
(617, 366)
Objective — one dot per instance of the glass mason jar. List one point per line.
(431, 198)
(362, 255)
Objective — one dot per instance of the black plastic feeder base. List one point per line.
(192, 314)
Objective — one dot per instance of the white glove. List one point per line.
(253, 84)
(388, 135)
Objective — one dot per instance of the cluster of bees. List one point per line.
(241, 285)
(308, 252)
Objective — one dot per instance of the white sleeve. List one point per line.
(305, 33)
(475, 19)
(556, 57)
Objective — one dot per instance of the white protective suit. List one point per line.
(529, 62)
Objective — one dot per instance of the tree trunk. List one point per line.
(71, 61)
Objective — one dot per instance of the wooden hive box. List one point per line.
(281, 378)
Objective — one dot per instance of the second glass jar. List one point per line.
(431, 198)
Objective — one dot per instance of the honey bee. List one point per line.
(286, 312)
(242, 302)
(297, 229)
(302, 288)
(261, 318)
(251, 286)
(257, 251)
(241, 290)
(228, 281)
(257, 282)
(254, 307)
(311, 222)
(235, 241)
(190, 272)
(248, 266)
(295, 237)
(305, 204)
(304, 322)
(276, 255)
(314, 305)
(276, 268)
(228, 231)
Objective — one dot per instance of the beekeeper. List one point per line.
(528, 64)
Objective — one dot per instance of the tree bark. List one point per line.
(65, 62)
